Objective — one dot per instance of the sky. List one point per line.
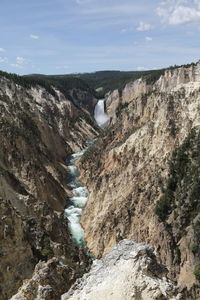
(72, 36)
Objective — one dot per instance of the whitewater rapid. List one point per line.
(78, 200)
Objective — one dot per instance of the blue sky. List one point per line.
(67, 36)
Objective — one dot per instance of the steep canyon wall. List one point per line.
(130, 166)
(38, 130)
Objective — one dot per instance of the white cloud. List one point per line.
(144, 27)
(2, 49)
(163, 14)
(112, 10)
(3, 59)
(141, 68)
(33, 36)
(62, 67)
(183, 14)
(82, 1)
(176, 12)
(16, 66)
(20, 60)
(197, 2)
(124, 30)
(148, 38)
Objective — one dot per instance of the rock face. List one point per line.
(38, 130)
(47, 282)
(128, 171)
(129, 272)
(172, 78)
(177, 76)
(84, 99)
(15, 252)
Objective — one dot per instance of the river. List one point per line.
(79, 197)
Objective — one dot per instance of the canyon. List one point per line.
(141, 170)
(39, 129)
(72, 188)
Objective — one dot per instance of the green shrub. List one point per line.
(172, 128)
(197, 272)
(47, 252)
(120, 107)
(183, 173)
(4, 98)
(163, 208)
(196, 227)
(194, 248)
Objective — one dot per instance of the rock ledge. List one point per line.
(129, 272)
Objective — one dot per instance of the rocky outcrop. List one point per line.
(176, 76)
(39, 128)
(126, 172)
(113, 100)
(47, 282)
(129, 272)
(172, 78)
(84, 99)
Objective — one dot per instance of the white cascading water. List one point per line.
(77, 201)
(80, 193)
(100, 116)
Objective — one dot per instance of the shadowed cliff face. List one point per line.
(16, 254)
(84, 99)
(37, 132)
(127, 170)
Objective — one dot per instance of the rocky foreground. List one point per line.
(129, 272)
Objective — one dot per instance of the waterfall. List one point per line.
(100, 116)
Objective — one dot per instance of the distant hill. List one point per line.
(107, 80)
(90, 82)
(110, 80)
